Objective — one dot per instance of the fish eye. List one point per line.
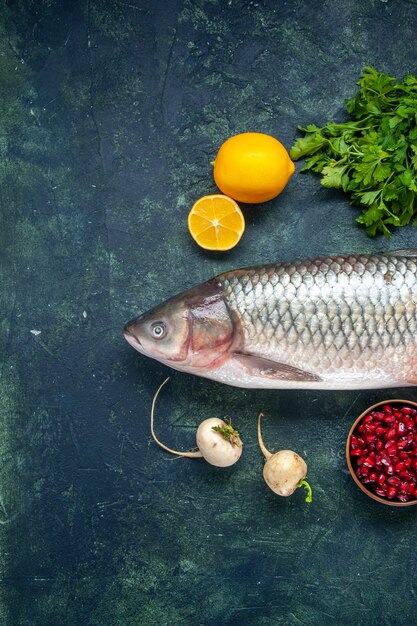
(158, 330)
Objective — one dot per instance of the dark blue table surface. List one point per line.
(110, 115)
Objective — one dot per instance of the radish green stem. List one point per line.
(193, 454)
(304, 483)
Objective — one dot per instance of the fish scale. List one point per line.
(325, 314)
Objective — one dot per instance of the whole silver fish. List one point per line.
(343, 322)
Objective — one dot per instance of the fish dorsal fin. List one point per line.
(258, 366)
(408, 252)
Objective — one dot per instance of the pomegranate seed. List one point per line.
(382, 479)
(415, 464)
(387, 408)
(400, 427)
(406, 410)
(385, 460)
(380, 492)
(401, 444)
(406, 474)
(357, 452)
(403, 454)
(391, 434)
(364, 470)
(391, 493)
(361, 427)
(389, 419)
(393, 480)
(397, 414)
(410, 487)
(415, 494)
(410, 439)
(379, 445)
(373, 477)
(390, 470)
(370, 438)
(403, 497)
(368, 418)
(391, 450)
(369, 462)
(380, 430)
(408, 463)
(399, 466)
(361, 442)
(378, 415)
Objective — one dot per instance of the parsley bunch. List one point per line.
(374, 155)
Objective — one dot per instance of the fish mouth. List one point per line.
(132, 339)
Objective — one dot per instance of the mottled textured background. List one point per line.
(110, 113)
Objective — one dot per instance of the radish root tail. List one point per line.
(191, 454)
(264, 451)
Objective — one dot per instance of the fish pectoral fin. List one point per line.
(257, 366)
(409, 252)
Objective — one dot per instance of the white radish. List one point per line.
(217, 441)
(283, 471)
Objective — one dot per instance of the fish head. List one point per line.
(189, 332)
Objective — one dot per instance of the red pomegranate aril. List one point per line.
(369, 462)
(379, 445)
(411, 486)
(403, 454)
(397, 414)
(357, 452)
(391, 450)
(387, 408)
(403, 497)
(382, 478)
(415, 494)
(364, 470)
(370, 438)
(391, 434)
(406, 474)
(415, 464)
(393, 480)
(380, 492)
(410, 439)
(368, 418)
(361, 442)
(361, 427)
(400, 428)
(401, 444)
(373, 477)
(389, 419)
(391, 493)
(408, 463)
(385, 460)
(380, 431)
(399, 466)
(378, 415)
(406, 410)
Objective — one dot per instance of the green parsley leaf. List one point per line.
(373, 154)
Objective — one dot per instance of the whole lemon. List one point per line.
(252, 167)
